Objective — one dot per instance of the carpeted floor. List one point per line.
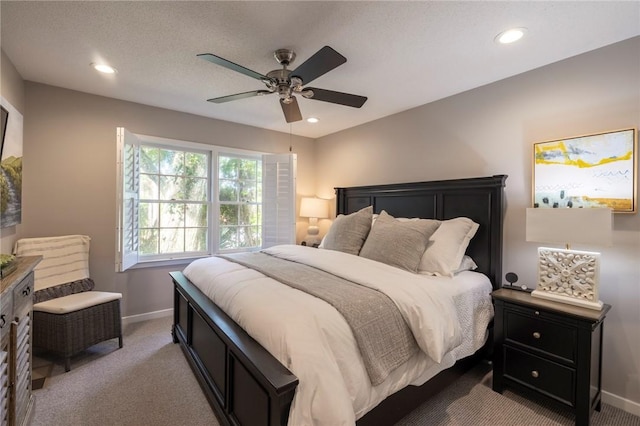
(470, 401)
(148, 382)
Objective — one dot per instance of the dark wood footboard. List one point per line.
(243, 382)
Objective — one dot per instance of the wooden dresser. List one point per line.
(16, 301)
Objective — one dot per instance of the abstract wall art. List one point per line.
(598, 170)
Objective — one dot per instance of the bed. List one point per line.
(247, 385)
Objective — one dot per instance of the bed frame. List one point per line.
(246, 385)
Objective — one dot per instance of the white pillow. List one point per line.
(467, 264)
(447, 246)
(400, 219)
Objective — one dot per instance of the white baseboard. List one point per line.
(621, 403)
(147, 316)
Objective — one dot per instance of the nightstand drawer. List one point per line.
(534, 331)
(542, 375)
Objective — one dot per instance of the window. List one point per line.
(240, 197)
(181, 200)
(173, 201)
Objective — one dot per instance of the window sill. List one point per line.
(159, 263)
(165, 262)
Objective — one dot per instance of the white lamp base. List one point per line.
(569, 276)
(312, 239)
(569, 300)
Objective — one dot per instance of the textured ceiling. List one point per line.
(399, 54)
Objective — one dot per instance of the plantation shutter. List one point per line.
(279, 199)
(127, 199)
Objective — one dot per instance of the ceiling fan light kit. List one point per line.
(286, 83)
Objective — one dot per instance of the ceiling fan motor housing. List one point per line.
(281, 76)
(280, 81)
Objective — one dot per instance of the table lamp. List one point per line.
(314, 209)
(566, 275)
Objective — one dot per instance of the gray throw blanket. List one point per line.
(384, 338)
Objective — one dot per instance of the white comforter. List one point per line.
(312, 339)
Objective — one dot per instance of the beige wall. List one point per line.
(69, 177)
(490, 130)
(11, 84)
(12, 89)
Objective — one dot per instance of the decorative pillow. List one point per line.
(467, 264)
(401, 219)
(398, 243)
(347, 233)
(447, 247)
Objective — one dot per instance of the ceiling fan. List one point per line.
(286, 83)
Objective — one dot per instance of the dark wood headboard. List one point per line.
(480, 199)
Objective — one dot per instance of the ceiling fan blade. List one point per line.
(232, 66)
(291, 111)
(323, 61)
(336, 97)
(223, 99)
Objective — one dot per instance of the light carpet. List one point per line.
(470, 401)
(148, 382)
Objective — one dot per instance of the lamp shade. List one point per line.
(592, 226)
(314, 207)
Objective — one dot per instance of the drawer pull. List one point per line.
(536, 335)
(3, 321)
(26, 291)
(534, 374)
(537, 312)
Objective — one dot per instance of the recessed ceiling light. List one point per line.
(511, 35)
(104, 68)
(312, 120)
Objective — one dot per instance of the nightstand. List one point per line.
(548, 349)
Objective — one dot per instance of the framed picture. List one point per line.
(10, 165)
(3, 126)
(598, 170)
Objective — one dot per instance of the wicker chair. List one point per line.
(69, 317)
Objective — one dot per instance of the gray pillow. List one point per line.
(398, 243)
(347, 233)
